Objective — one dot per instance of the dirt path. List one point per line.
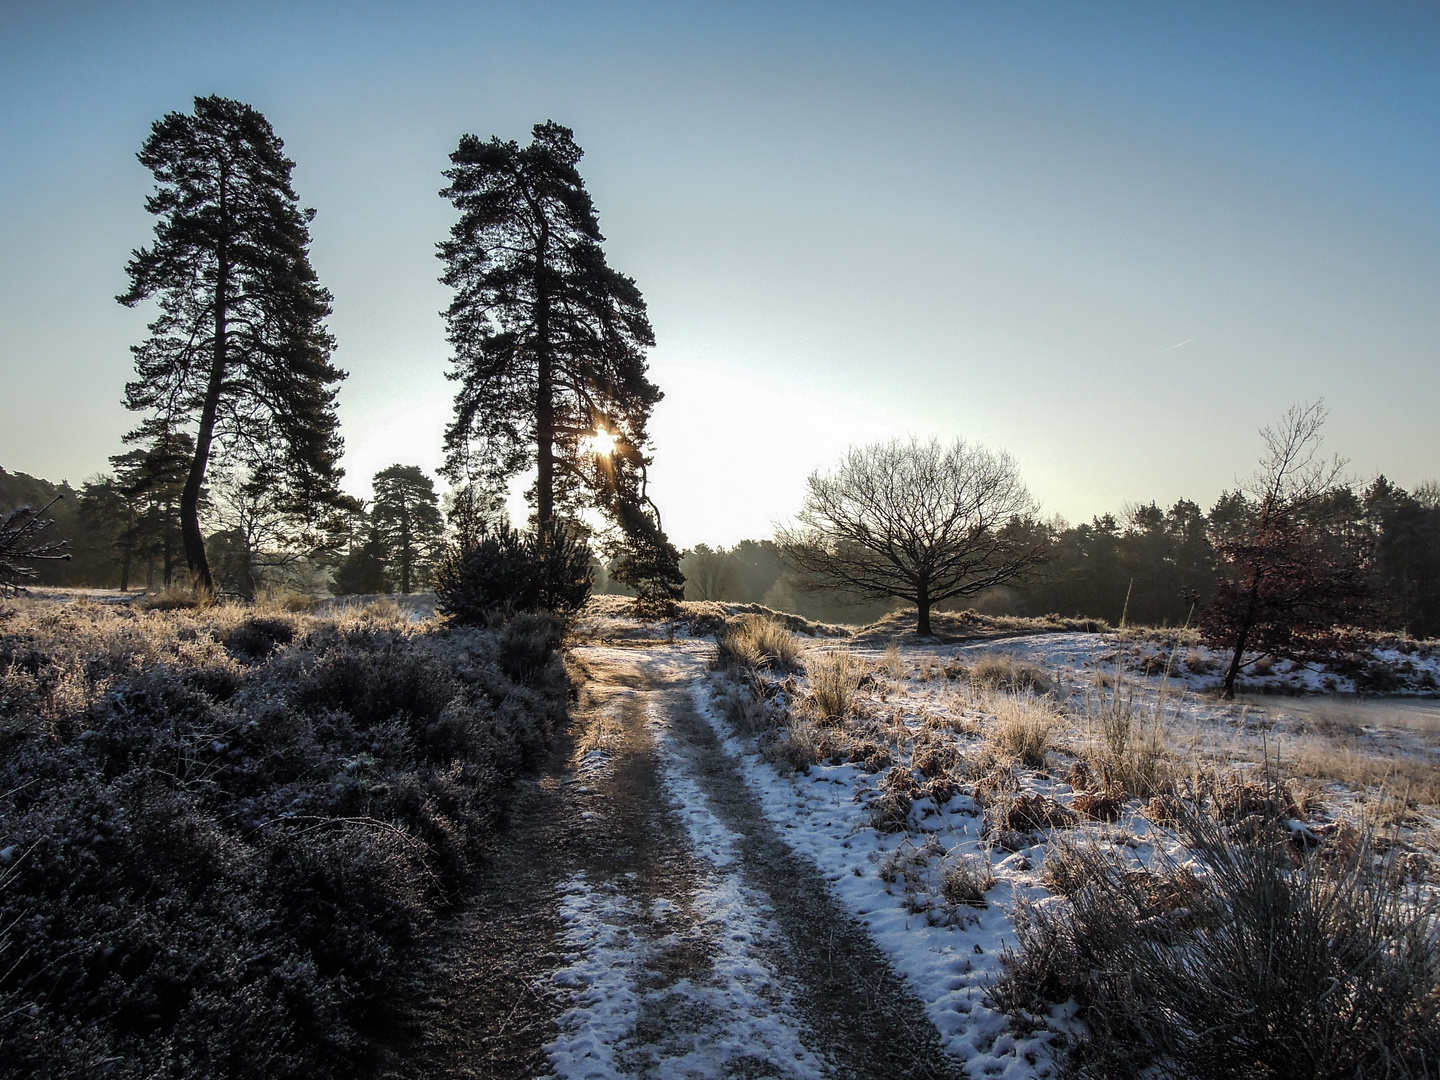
(644, 918)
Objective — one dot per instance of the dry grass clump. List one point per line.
(1129, 737)
(890, 810)
(759, 641)
(1000, 671)
(796, 745)
(834, 677)
(966, 880)
(1023, 725)
(1263, 963)
(1395, 777)
(1029, 813)
(890, 661)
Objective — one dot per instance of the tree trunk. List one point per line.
(1233, 671)
(405, 552)
(191, 536)
(922, 606)
(544, 397)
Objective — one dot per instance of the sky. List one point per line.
(1112, 239)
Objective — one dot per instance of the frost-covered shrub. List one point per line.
(255, 638)
(966, 880)
(500, 572)
(1264, 964)
(217, 869)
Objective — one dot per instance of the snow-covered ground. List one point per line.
(949, 957)
(743, 1002)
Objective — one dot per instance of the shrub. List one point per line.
(796, 745)
(966, 881)
(1266, 964)
(834, 677)
(499, 572)
(756, 641)
(254, 638)
(211, 869)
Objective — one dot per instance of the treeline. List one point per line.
(1147, 565)
(122, 531)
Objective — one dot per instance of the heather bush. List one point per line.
(1266, 963)
(217, 854)
(500, 572)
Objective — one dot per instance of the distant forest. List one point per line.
(1146, 566)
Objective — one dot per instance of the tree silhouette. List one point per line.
(239, 349)
(20, 545)
(914, 520)
(549, 349)
(407, 522)
(1289, 579)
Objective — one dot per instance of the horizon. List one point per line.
(1115, 244)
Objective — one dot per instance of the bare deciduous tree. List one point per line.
(1288, 581)
(916, 520)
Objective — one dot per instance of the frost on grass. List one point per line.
(962, 782)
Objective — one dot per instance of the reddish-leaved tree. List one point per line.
(1290, 583)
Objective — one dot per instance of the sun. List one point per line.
(601, 444)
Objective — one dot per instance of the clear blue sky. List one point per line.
(1114, 239)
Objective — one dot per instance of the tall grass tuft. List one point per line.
(757, 641)
(1023, 724)
(834, 677)
(1265, 963)
(1129, 736)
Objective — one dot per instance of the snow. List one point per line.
(737, 1007)
(947, 966)
(949, 955)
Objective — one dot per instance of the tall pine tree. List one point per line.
(407, 523)
(239, 352)
(549, 349)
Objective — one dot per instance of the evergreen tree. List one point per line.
(153, 480)
(363, 569)
(239, 349)
(408, 525)
(1407, 556)
(107, 519)
(549, 349)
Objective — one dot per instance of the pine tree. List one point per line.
(153, 479)
(549, 349)
(407, 522)
(239, 349)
